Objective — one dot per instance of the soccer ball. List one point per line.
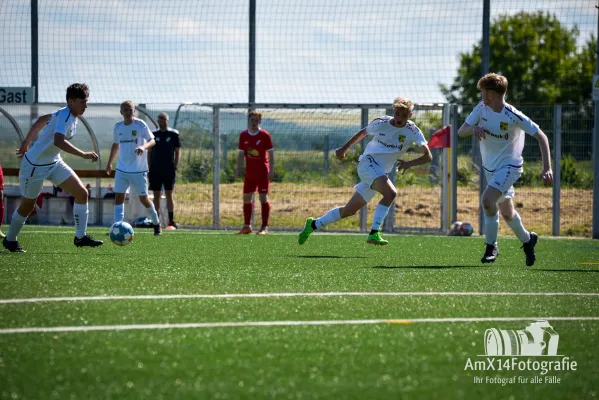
(454, 230)
(466, 229)
(121, 233)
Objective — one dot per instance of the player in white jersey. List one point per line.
(131, 139)
(391, 138)
(500, 129)
(43, 161)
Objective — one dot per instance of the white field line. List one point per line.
(200, 325)
(281, 295)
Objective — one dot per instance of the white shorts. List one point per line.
(137, 181)
(368, 171)
(503, 179)
(32, 176)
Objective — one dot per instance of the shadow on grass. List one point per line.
(324, 256)
(566, 270)
(429, 266)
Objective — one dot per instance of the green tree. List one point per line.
(539, 57)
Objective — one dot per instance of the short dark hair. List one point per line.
(77, 91)
(254, 112)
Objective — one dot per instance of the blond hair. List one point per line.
(494, 82)
(403, 102)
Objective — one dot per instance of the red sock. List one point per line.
(247, 213)
(265, 213)
(1, 212)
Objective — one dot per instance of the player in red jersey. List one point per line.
(254, 143)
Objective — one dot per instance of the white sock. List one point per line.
(119, 212)
(16, 224)
(152, 214)
(491, 228)
(80, 214)
(517, 227)
(331, 216)
(380, 212)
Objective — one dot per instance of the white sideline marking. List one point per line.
(278, 323)
(266, 295)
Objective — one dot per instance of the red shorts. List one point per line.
(250, 185)
(1, 179)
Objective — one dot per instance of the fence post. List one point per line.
(557, 173)
(445, 195)
(216, 169)
(224, 144)
(326, 156)
(453, 118)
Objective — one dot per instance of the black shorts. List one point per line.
(158, 179)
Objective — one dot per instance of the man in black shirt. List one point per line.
(163, 160)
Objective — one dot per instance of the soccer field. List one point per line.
(196, 314)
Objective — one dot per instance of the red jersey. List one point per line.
(255, 148)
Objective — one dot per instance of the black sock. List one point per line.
(171, 215)
(313, 225)
(373, 231)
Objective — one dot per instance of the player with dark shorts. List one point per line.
(2, 235)
(164, 161)
(254, 145)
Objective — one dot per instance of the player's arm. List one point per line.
(147, 145)
(466, 130)
(426, 157)
(271, 163)
(64, 145)
(32, 134)
(113, 152)
(240, 157)
(177, 157)
(340, 152)
(547, 174)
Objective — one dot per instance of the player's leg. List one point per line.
(489, 203)
(139, 184)
(31, 180)
(384, 186)
(512, 218)
(169, 186)
(121, 184)
(355, 203)
(249, 187)
(73, 185)
(265, 206)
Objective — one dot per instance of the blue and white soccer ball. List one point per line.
(121, 233)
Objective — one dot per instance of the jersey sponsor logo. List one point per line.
(402, 138)
(134, 132)
(500, 136)
(129, 141)
(253, 152)
(391, 146)
(503, 126)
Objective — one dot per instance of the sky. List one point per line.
(307, 51)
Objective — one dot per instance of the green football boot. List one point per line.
(376, 239)
(305, 233)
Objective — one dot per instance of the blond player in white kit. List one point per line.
(391, 138)
(500, 128)
(131, 139)
(43, 161)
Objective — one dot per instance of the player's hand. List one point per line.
(140, 150)
(108, 169)
(547, 177)
(90, 155)
(478, 132)
(403, 166)
(340, 153)
(20, 152)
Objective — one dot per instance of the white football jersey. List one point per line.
(389, 142)
(504, 141)
(130, 137)
(43, 151)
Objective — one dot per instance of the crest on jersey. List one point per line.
(157, 138)
(503, 126)
(402, 138)
(257, 142)
(134, 133)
